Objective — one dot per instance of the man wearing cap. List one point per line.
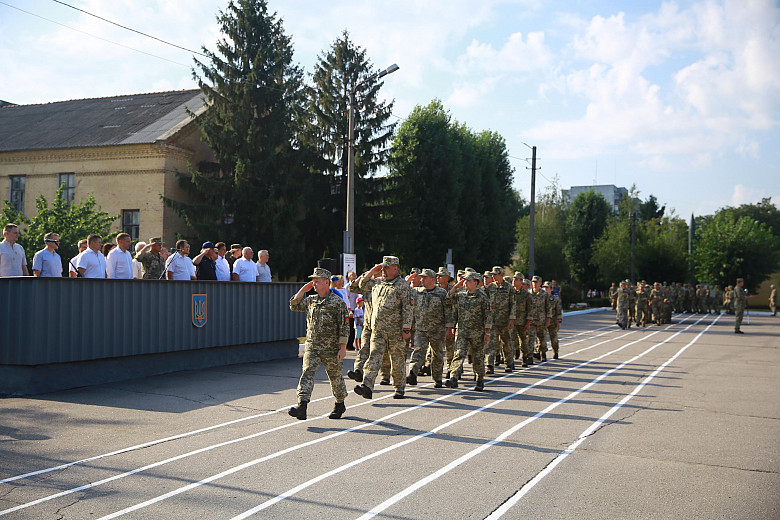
(522, 308)
(391, 323)
(656, 302)
(556, 320)
(642, 307)
(431, 316)
(236, 252)
(326, 341)
(151, 260)
(740, 302)
(622, 302)
(471, 316)
(772, 300)
(502, 309)
(205, 263)
(356, 374)
(539, 314)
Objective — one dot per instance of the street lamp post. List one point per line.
(349, 232)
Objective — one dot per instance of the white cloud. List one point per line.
(748, 195)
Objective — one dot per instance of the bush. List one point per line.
(599, 302)
(569, 295)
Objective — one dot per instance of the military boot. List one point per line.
(364, 391)
(489, 369)
(451, 383)
(299, 412)
(355, 375)
(480, 386)
(338, 411)
(411, 379)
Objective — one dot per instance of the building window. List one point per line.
(131, 220)
(17, 191)
(68, 183)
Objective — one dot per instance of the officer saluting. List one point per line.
(327, 331)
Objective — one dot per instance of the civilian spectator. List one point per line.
(223, 268)
(359, 312)
(138, 270)
(46, 262)
(351, 306)
(263, 271)
(179, 265)
(165, 253)
(73, 262)
(205, 266)
(119, 262)
(12, 259)
(107, 247)
(92, 263)
(151, 259)
(244, 269)
(556, 289)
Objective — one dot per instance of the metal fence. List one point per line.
(60, 320)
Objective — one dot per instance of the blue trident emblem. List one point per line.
(199, 314)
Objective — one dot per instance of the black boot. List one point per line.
(338, 411)
(364, 391)
(451, 383)
(299, 412)
(385, 382)
(480, 386)
(411, 379)
(355, 375)
(489, 369)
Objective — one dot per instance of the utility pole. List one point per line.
(531, 238)
(632, 215)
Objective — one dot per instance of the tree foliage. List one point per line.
(73, 222)
(730, 246)
(585, 222)
(549, 236)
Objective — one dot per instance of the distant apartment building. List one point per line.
(612, 193)
(124, 150)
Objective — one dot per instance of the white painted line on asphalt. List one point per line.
(233, 441)
(460, 460)
(514, 499)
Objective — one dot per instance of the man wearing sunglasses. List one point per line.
(47, 262)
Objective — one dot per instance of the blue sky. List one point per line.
(681, 99)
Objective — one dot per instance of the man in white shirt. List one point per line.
(73, 262)
(92, 263)
(138, 267)
(244, 269)
(179, 264)
(263, 271)
(223, 267)
(12, 259)
(46, 262)
(119, 264)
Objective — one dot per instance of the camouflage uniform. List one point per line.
(522, 308)
(391, 313)
(773, 300)
(656, 303)
(622, 300)
(538, 312)
(631, 305)
(362, 354)
(431, 315)
(642, 307)
(502, 310)
(471, 314)
(327, 328)
(153, 265)
(740, 302)
(556, 309)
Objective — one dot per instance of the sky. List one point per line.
(680, 99)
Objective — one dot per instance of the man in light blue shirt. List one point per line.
(92, 263)
(263, 271)
(46, 262)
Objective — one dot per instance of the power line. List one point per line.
(131, 29)
(92, 35)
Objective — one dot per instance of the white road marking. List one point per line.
(514, 499)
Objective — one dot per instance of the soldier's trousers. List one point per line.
(526, 348)
(552, 330)
(463, 345)
(536, 337)
(623, 317)
(739, 311)
(500, 338)
(430, 342)
(772, 308)
(362, 354)
(386, 369)
(656, 310)
(642, 314)
(313, 357)
(395, 346)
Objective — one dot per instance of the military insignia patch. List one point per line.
(199, 309)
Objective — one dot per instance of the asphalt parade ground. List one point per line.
(671, 421)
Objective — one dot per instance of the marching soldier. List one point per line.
(642, 307)
(471, 315)
(502, 309)
(327, 331)
(773, 299)
(622, 303)
(431, 315)
(522, 308)
(391, 324)
(539, 317)
(656, 302)
(557, 318)
(356, 374)
(740, 302)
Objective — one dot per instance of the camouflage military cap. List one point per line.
(526, 281)
(472, 275)
(488, 274)
(508, 279)
(320, 272)
(443, 271)
(547, 284)
(470, 270)
(518, 274)
(740, 280)
(536, 278)
(428, 272)
(497, 269)
(461, 272)
(156, 240)
(389, 260)
(415, 270)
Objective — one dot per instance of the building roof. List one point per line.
(133, 119)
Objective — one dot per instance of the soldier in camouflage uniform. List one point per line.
(151, 260)
(524, 352)
(556, 319)
(471, 315)
(431, 316)
(356, 373)
(773, 299)
(621, 303)
(539, 317)
(631, 304)
(656, 303)
(611, 294)
(740, 302)
(327, 331)
(642, 306)
(717, 299)
(391, 324)
(502, 309)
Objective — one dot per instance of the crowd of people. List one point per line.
(149, 261)
(435, 320)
